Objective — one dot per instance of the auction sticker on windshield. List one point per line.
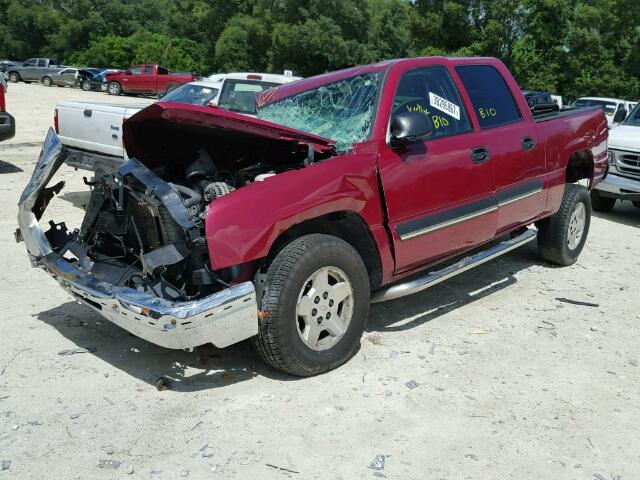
(444, 105)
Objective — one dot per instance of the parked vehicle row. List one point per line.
(360, 185)
(92, 132)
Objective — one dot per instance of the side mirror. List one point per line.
(620, 116)
(409, 127)
(128, 72)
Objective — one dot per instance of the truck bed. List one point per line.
(546, 116)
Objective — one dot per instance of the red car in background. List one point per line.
(7, 122)
(146, 79)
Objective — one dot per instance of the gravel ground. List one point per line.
(514, 370)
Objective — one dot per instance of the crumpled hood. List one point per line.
(625, 137)
(213, 119)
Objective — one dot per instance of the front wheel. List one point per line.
(600, 203)
(86, 86)
(315, 305)
(562, 236)
(47, 82)
(114, 88)
(14, 77)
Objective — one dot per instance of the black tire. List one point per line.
(553, 232)
(86, 86)
(47, 82)
(114, 88)
(600, 203)
(636, 204)
(14, 77)
(279, 342)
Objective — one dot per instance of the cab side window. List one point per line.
(148, 70)
(490, 95)
(136, 70)
(431, 91)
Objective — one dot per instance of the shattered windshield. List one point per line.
(608, 107)
(342, 111)
(192, 94)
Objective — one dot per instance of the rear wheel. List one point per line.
(46, 81)
(114, 88)
(600, 203)
(14, 77)
(562, 236)
(315, 303)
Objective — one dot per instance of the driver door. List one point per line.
(439, 192)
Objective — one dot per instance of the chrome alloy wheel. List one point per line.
(576, 225)
(324, 308)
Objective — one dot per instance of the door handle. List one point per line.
(480, 154)
(528, 143)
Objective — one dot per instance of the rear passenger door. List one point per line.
(147, 79)
(511, 138)
(29, 68)
(439, 193)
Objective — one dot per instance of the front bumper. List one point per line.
(616, 186)
(223, 318)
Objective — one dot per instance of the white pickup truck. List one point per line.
(92, 132)
(615, 109)
(622, 181)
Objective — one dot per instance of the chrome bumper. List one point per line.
(223, 318)
(619, 187)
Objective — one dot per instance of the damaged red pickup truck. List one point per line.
(364, 184)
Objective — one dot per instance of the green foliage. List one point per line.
(571, 47)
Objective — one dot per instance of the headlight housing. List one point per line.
(612, 157)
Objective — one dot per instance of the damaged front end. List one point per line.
(140, 256)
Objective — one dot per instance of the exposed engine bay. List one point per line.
(143, 233)
(144, 226)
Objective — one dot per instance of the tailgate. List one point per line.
(93, 126)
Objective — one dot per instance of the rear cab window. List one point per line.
(240, 95)
(491, 97)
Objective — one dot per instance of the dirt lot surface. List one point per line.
(514, 370)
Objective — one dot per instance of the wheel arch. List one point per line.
(580, 167)
(346, 225)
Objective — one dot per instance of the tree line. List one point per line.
(570, 47)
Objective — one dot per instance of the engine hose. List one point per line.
(194, 197)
